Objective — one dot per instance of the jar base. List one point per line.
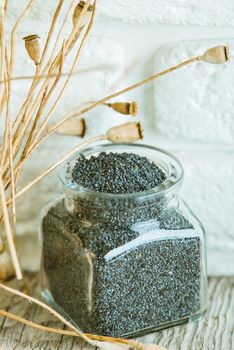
(192, 318)
(46, 295)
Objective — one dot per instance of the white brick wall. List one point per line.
(195, 12)
(196, 102)
(192, 109)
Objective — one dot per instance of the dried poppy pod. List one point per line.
(73, 127)
(33, 47)
(216, 55)
(77, 22)
(125, 107)
(128, 132)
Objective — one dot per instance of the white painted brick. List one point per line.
(195, 12)
(196, 102)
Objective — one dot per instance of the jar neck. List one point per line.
(74, 203)
(77, 197)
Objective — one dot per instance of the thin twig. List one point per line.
(19, 139)
(13, 35)
(9, 232)
(51, 30)
(59, 34)
(44, 100)
(67, 332)
(6, 6)
(8, 118)
(41, 76)
(50, 310)
(24, 107)
(71, 71)
(2, 43)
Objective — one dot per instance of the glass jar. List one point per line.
(124, 265)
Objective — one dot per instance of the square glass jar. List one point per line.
(124, 265)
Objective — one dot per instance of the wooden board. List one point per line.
(214, 332)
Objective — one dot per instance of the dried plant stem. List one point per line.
(20, 137)
(66, 332)
(107, 98)
(9, 232)
(43, 102)
(36, 120)
(2, 43)
(52, 62)
(70, 73)
(8, 118)
(6, 129)
(13, 34)
(2, 103)
(36, 76)
(33, 86)
(50, 310)
(51, 30)
(6, 6)
(58, 36)
(27, 101)
(41, 76)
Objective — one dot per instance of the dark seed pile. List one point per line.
(117, 173)
(149, 286)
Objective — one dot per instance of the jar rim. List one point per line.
(174, 172)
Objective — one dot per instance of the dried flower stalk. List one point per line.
(61, 331)
(69, 76)
(41, 76)
(26, 122)
(9, 234)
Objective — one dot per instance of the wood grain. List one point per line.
(214, 332)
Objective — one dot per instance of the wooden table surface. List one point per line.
(214, 332)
